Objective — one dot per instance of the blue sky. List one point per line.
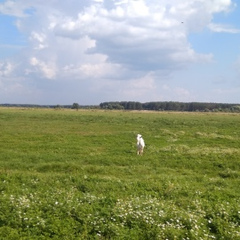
(88, 52)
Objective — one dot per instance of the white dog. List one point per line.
(140, 144)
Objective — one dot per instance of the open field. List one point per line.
(68, 174)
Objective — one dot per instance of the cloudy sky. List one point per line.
(91, 51)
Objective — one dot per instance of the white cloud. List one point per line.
(6, 68)
(138, 34)
(220, 5)
(39, 40)
(142, 36)
(13, 8)
(47, 69)
(222, 28)
(139, 88)
(107, 42)
(137, 9)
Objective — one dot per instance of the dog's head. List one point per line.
(139, 136)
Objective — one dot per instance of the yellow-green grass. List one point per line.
(68, 174)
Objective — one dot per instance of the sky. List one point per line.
(93, 51)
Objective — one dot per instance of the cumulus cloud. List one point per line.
(136, 34)
(6, 68)
(39, 39)
(13, 8)
(104, 40)
(140, 88)
(141, 35)
(47, 69)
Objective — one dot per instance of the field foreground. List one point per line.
(68, 174)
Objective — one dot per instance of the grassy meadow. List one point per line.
(68, 174)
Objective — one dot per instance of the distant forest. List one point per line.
(173, 106)
(153, 106)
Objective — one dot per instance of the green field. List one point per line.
(68, 174)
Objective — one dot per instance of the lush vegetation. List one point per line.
(67, 174)
(173, 106)
(154, 106)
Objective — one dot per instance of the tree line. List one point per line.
(153, 106)
(173, 106)
(58, 106)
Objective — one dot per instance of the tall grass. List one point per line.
(75, 175)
